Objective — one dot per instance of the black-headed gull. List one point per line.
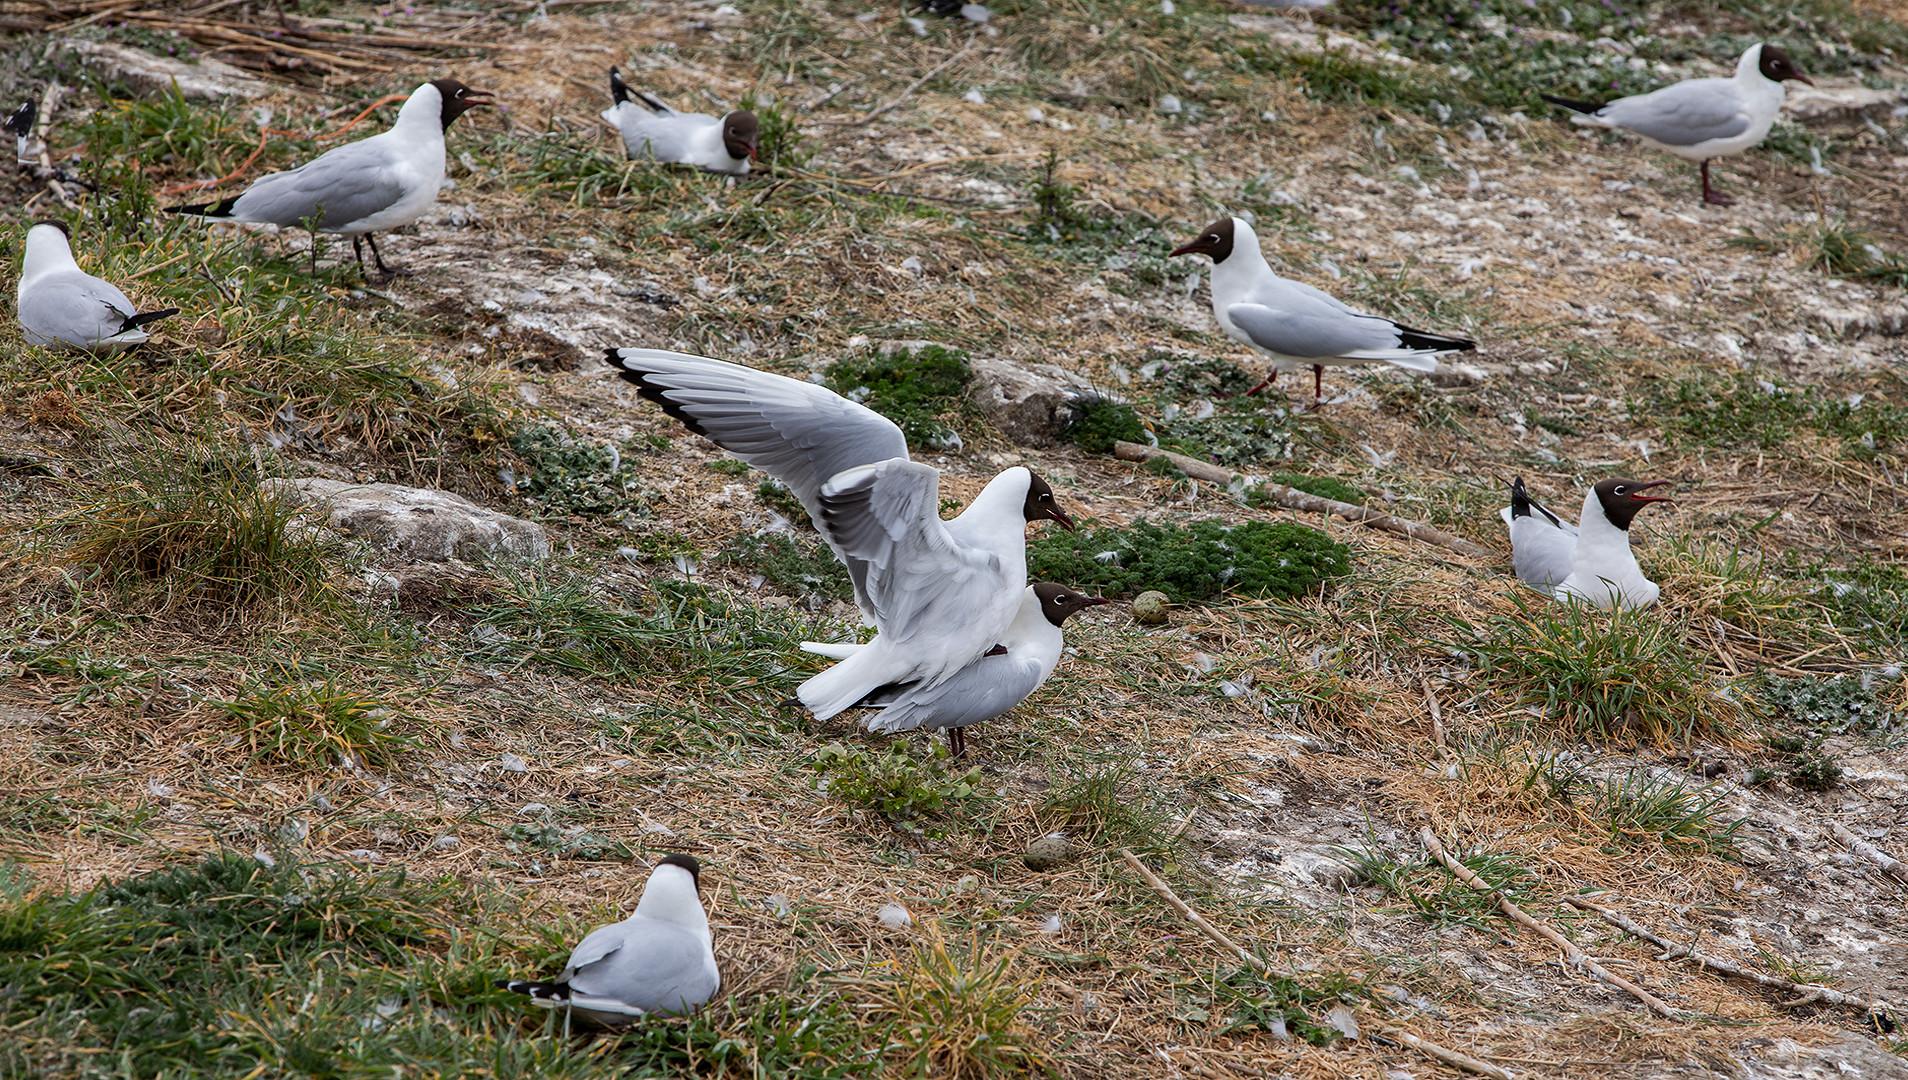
(1002, 678)
(659, 960)
(370, 186)
(1297, 325)
(940, 593)
(61, 304)
(724, 144)
(1592, 563)
(1700, 119)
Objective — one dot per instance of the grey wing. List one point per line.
(1543, 548)
(75, 307)
(661, 967)
(981, 691)
(661, 137)
(348, 184)
(1300, 321)
(595, 946)
(885, 520)
(1684, 114)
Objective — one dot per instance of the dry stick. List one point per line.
(1672, 951)
(1577, 956)
(48, 102)
(1889, 864)
(903, 95)
(1294, 499)
(1423, 1046)
(1437, 719)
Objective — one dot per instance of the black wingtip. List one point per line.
(21, 122)
(546, 991)
(654, 104)
(1520, 499)
(1419, 339)
(220, 209)
(1574, 106)
(652, 392)
(134, 322)
(619, 90)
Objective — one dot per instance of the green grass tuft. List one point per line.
(893, 783)
(1608, 674)
(315, 724)
(799, 565)
(957, 1012)
(191, 530)
(1102, 422)
(1192, 563)
(1111, 805)
(1643, 808)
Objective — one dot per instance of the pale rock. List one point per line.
(1032, 404)
(415, 524)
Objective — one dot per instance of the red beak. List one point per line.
(1638, 496)
(1186, 249)
(1062, 519)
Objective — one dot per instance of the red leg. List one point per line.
(1318, 385)
(1269, 380)
(1711, 195)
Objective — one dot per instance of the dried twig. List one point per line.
(1671, 951)
(1424, 1046)
(1577, 956)
(1293, 499)
(1889, 864)
(1437, 719)
(879, 110)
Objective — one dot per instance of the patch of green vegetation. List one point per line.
(1250, 1000)
(1057, 214)
(1741, 412)
(1102, 422)
(190, 529)
(1625, 675)
(1336, 77)
(1111, 805)
(1325, 487)
(1643, 808)
(1833, 247)
(777, 497)
(1231, 439)
(232, 967)
(729, 466)
(893, 783)
(290, 720)
(561, 620)
(918, 389)
(1814, 771)
(575, 164)
(1870, 597)
(801, 566)
(1431, 890)
(1193, 562)
(1831, 703)
(1182, 378)
(566, 843)
(800, 1032)
(565, 475)
(167, 133)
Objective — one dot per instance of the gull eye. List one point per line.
(1618, 489)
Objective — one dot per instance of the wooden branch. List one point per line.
(1424, 1046)
(1889, 864)
(1437, 719)
(1671, 951)
(1577, 956)
(1293, 499)
(903, 95)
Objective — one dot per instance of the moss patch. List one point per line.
(918, 389)
(1191, 563)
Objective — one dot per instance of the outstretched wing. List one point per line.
(797, 432)
(917, 579)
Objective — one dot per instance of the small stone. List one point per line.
(1149, 608)
(1049, 853)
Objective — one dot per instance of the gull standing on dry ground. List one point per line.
(373, 185)
(1700, 119)
(659, 960)
(1297, 325)
(61, 304)
(940, 593)
(1592, 564)
(1002, 678)
(719, 144)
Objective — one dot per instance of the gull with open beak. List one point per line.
(724, 144)
(1591, 563)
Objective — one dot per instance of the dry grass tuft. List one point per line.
(955, 1012)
